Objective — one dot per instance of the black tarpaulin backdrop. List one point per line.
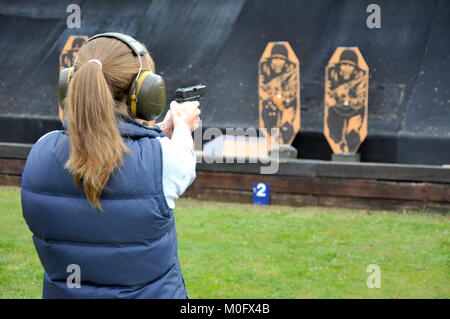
(219, 43)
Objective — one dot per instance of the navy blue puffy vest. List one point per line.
(127, 251)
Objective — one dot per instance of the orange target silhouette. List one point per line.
(279, 91)
(346, 100)
(70, 50)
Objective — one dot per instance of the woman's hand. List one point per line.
(186, 114)
(186, 118)
(167, 124)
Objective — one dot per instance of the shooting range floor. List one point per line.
(244, 251)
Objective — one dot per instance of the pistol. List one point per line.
(192, 93)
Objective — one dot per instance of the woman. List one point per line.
(99, 195)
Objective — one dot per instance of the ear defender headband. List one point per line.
(147, 94)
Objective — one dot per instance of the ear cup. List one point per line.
(147, 93)
(63, 84)
(147, 96)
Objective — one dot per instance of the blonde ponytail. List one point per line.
(103, 72)
(96, 144)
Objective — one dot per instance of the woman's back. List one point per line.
(128, 250)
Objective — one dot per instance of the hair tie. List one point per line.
(96, 61)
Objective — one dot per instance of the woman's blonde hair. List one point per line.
(95, 93)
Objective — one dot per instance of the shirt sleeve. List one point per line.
(178, 162)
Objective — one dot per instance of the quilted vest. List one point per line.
(127, 251)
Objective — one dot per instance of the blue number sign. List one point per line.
(261, 194)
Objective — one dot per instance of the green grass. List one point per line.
(242, 251)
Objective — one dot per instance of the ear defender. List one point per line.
(63, 85)
(147, 94)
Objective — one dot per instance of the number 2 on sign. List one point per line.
(261, 190)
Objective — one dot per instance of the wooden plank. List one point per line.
(297, 167)
(297, 200)
(286, 167)
(376, 171)
(9, 180)
(327, 186)
(14, 150)
(398, 172)
(11, 166)
(299, 190)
